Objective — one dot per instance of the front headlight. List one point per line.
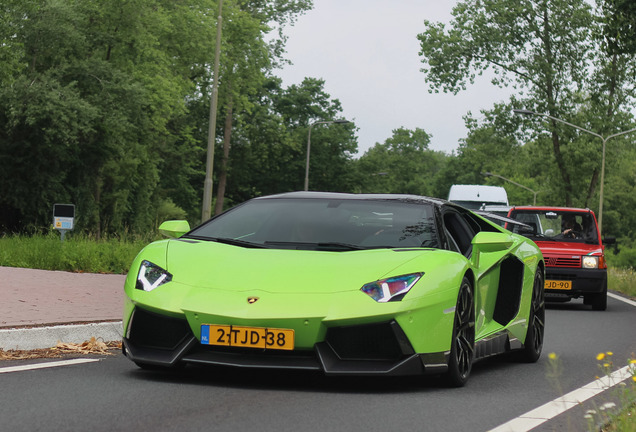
(590, 262)
(391, 289)
(151, 276)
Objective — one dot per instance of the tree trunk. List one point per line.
(227, 134)
(592, 188)
(556, 144)
(97, 197)
(558, 156)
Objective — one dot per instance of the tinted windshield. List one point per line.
(331, 223)
(557, 225)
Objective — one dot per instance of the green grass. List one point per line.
(624, 394)
(625, 422)
(622, 280)
(78, 253)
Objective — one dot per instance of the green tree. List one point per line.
(108, 102)
(620, 194)
(268, 149)
(402, 164)
(89, 100)
(550, 51)
(332, 145)
(247, 58)
(263, 150)
(620, 25)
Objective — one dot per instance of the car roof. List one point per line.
(349, 196)
(551, 208)
(495, 207)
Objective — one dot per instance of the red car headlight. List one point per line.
(590, 262)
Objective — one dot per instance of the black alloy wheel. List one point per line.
(533, 344)
(462, 352)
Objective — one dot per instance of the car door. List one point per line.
(499, 278)
(458, 231)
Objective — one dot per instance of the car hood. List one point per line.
(553, 248)
(225, 267)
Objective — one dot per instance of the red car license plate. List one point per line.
(558, 284)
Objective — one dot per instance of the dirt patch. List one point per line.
(89, 347)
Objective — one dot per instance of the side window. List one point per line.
(459, 231)
(452, 244)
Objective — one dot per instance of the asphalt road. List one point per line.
(113, 394)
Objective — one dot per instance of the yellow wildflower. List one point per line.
(609, 353)
(553, 356)
(600, 357)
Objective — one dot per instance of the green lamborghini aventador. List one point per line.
(338, 283)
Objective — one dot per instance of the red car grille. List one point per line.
(574, 262)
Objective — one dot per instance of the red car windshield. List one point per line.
(556, 225)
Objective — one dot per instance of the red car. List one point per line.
(574, 253)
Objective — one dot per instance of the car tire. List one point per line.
(462, 350)
(533, 344)
(598, 301)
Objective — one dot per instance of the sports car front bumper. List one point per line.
(369, 349)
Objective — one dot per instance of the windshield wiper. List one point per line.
(540, 236)
(330, 246)
(339, 246)
(230, 241)
(236, 242)
(546, 238)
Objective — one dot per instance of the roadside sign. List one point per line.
(63, 223)
(63, 217)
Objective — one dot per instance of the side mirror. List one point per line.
(527, 230)
(485, 242)
(609, 240)
(174, 228)
(492, 241)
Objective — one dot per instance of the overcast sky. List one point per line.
(367, 53)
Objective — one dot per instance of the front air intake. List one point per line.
(151, 330)
(368, 342)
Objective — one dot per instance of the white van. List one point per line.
(478, 197)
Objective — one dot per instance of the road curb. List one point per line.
(47, 337)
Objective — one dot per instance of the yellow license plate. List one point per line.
(558, 284)
(249, 337)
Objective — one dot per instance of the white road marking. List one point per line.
(623, 299)
(537, 416)
(540, 415)
(46, 365)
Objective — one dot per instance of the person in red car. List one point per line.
(571, 228)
